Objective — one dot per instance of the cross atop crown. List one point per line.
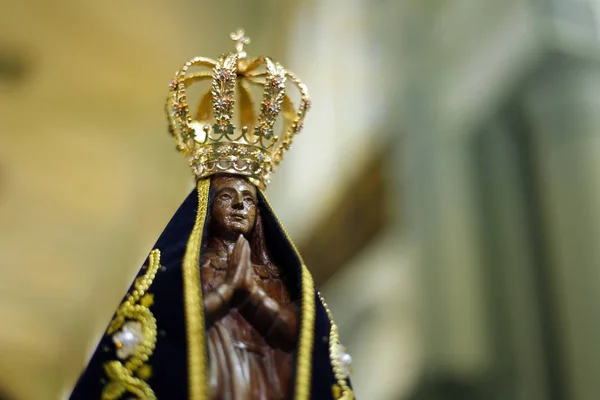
(240, 39)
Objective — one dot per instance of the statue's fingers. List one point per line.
(243, 241)
(245, 251)
(237, 248)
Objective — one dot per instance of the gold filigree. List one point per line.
(223, 93)
(128, 375)
(344, 392)
(272, 99)
(194, 306)
(200, 139)
(336, 391)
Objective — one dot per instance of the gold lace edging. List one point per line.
(340, 390)
(194, 305)
(128, 376)
(307, 323)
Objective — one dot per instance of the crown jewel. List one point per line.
(212, 140)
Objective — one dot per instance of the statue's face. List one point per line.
(234, 206)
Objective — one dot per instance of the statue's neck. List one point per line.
(221, 245)
(228, 245)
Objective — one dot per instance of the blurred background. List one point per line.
(445, 192)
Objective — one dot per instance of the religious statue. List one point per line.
(224, 307)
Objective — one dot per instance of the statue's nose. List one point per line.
(238, 205)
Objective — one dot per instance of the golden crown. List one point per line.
(210, 140)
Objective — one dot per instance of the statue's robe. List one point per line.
(263, 366)
(160, 367)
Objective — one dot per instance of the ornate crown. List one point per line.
(210, 139)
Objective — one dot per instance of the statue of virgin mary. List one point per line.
(224, 307)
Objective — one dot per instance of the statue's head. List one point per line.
(233, 209)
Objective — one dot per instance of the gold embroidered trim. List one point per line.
(341, 390)
(194, 305)
(307, 324)
(122, 376)
(305, 344)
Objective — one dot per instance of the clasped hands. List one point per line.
(240, 274)
(240, 288)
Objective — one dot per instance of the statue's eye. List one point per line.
(249, 199)
(225, 196)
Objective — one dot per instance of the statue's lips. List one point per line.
(238, 217)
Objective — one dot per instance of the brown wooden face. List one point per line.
(234, 206)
